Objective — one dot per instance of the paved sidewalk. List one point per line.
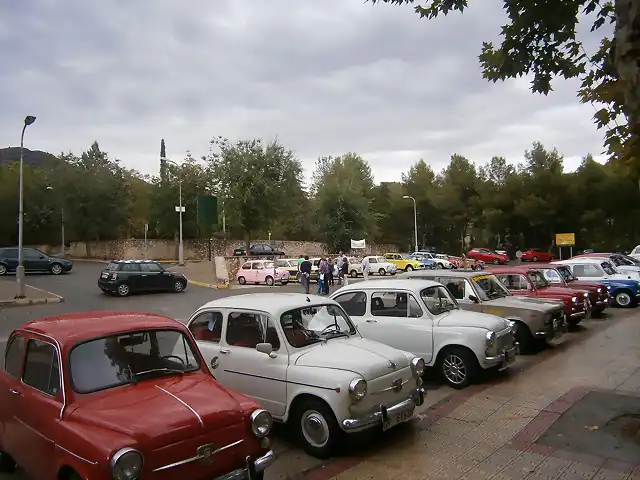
(33, 296)
(490, 431)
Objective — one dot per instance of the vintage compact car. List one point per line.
(258, 250)
(123, 277)
(488, 256)
(448, 261)
(622, 263)
(426, 260)
(421, 316)
(122, 395)
(536, 255)
(33, 260)
(302, 358)
(535, 319)
(439, 261)
(261, 271)
(561, 276)
(355, 267)
(624, 290)
(524, 281)
(403, 261)
(379, 265)
(291, 266)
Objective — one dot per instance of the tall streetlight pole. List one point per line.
(415, 219)
(179, 209)
(28, 120)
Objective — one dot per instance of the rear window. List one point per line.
(112, 267)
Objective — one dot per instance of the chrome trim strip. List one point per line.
(197, 457)
(60, 369)
(389, 388)
(75, 455)
(26, 425)
(183, 403)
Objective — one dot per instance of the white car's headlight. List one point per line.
(358, 389)
(126, 464)
(261, 423)
(490, 338)
(417, 366)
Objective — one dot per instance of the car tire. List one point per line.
(179, 286)
(123, 290)
(242, 280)
(525, 338)
(3, 269)
(439, 266)
(55, 269)
(353, 273)
(284, 282)
(382, 272)
(409, 268)
(7, 463)
(624, 299)
(534, 259)
(572, 322)
(496, 261)
(269, 280)
(458, 367)
(317, 427)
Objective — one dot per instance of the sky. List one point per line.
(324, 77)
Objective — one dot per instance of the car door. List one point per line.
(396, 318)
(206, 328)
(10, 256)
(153, 278)
(34, 261)
(257, 249)
(258, 272)
(460, 289)
(241, 367)
(245, 271)
(40, 403)
(587, 271)
(10, 396)
(130, 274)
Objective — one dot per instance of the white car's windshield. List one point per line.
(608, 268)
(438, 300)
(566, 273)
(537, 278)
(308, 325)
(125, 358)
(489, 287)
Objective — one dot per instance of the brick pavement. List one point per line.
(488, 431)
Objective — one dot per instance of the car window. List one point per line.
(10, 253)
(249, 329)
(14, 355)
(112, 266)
(587, 270)
(552, 275)
(283, 263)
(395, 304)
(246, 266)
(514, 281)
(438, 300)
(207, 326)
(456, 286)
(150, 267)
(41, 367)
(258, 248)
(130, 267)
(608, 268)
(538, 279)
(130, 357)
(354, 303)
(31, 253)
(305, 326)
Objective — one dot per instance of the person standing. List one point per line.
(330, 272)
(339, 265)
(344, 270)
(322, 275)
(305, 273)
(365, 268)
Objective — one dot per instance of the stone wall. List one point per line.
(196, 249)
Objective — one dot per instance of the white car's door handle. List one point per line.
(225, 350)
(372, 321)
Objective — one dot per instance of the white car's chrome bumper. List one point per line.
(252, 469)
(379, 417)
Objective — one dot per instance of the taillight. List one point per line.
(113, 276)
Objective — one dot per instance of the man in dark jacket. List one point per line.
(345, 270)
(305, 273)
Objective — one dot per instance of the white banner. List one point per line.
(358, 244)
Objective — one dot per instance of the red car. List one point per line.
(561, 276)
(122, 395)
(536, 255)
(531, 283)
(488, 256)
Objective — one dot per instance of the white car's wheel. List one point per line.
(458, 367)
(353, 273)
(439, 266)
(623, 299)
(317, 427)
(382, 272)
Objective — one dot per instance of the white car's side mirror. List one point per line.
(266, 348)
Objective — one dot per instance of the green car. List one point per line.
(291, 265)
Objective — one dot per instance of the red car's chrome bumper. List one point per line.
(253, 467)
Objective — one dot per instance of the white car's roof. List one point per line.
(393, 284)
(267, 301)
(591, 260)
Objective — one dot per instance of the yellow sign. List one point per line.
(565, 239)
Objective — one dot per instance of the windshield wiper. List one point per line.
(335, 334)
(160, 370)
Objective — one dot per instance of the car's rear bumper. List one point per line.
(107, 285)
(253, 467)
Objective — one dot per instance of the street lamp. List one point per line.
(415, 219)
(28, 120)
(61, 227)
(180, 210)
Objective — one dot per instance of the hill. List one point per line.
(32, 158)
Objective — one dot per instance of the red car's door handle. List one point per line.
(14, 391)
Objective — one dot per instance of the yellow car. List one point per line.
(403, 261)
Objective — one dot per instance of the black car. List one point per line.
(258, 250)
(122, 277)
(33, 260)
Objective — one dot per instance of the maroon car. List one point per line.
(561, 275)
(528, 282)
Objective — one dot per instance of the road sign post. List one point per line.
(146, 229)
(565, 240)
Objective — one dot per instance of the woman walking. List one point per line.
(322, 275)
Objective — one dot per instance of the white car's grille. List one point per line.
(380, 391)
(505, 340)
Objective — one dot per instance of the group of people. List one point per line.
(328, 272)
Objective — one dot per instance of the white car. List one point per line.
(355, 267)
(378, 264)
(421, 316)
(635, 253)
(606, 271)
(440, 260)
(303, 359)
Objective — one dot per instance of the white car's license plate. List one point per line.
(396, 419)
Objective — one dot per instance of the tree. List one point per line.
(540, 39)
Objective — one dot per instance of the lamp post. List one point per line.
(179, 209)
(415, 219)
(28, 120)
(61, 227)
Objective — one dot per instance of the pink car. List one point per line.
(261, 271)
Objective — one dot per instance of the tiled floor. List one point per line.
(489, 431)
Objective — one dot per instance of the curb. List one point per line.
(22, 302)
(209, 285)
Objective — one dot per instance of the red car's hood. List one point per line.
(579, 284)
(162, 411)
(557, 292)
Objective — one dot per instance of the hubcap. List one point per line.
(123, 289)
(623, 299)
(178, 286)
(315, 428)
(3, 269)
(56, 269)
(454, 369)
